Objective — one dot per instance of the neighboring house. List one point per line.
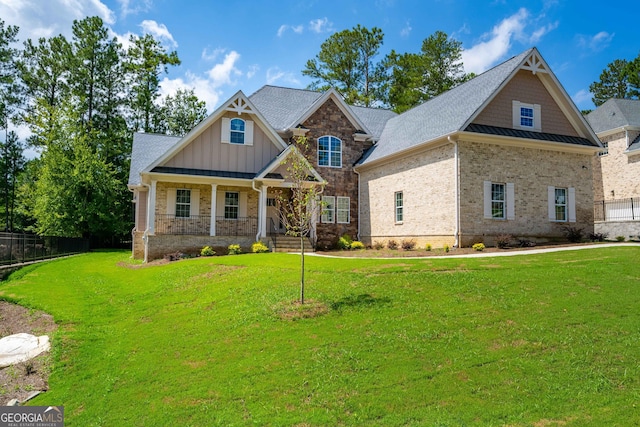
(505, 153)
(617, 168)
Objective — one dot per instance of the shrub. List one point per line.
(344, 242)
(392, 244)
(447, 248)
(620, 238)
(428, 247)
(408, 245)
(378, 245)
(207, 251)
(503, 240)
(234, 249)
(259, 248)
(573, 234)
(357, 245)
(478, 247)
(597, 237)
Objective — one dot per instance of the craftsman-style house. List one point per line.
(505, 153)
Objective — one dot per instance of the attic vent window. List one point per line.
(527, 116)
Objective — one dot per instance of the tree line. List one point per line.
(82, 99)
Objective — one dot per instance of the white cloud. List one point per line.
(159, 31)
(275, 74)
(321, 25)
(497, 43)
(596, 43)
(298, 29)
(208, 86)
(540, 32)
(582, 96)
(211, 56)
(52, 17)
(128, 7)
(406, 30)
(253, 69)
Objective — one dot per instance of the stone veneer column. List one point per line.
(214, 196)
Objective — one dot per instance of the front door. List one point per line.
(274, 224)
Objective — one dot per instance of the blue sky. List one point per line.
(230, 46)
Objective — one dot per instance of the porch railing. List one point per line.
(617, 210)
(200, 225)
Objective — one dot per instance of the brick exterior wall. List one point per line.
(329, 120)
(617, 175)
(427, 181)
(161, 245)
(531, 171)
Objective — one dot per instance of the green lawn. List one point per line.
(544, 340)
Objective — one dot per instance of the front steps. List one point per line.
(285, 243)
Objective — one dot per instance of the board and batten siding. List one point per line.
(207, 151)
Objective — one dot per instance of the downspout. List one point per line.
(456, 159)
(358, 232)
(260, 210)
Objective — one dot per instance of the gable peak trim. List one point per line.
(239, 105)
(535, 63)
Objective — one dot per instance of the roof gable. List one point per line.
(454, 110)
(238, 104)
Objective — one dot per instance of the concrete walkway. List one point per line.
(513, 252)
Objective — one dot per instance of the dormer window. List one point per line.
(236, 131)
(527, 116)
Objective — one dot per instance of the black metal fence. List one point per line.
(16, 248)
(617, 210)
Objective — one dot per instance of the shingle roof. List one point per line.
(614, 114)
(444, 114)
(282, 107)
(147, 147)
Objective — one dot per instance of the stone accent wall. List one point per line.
(612, 229)
(329, 120)
(617, 175)
(531, 171)
(427, 181)
(525, 87)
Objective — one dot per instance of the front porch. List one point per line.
(200, 225)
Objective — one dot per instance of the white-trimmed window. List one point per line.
(330, 151)
(183, 203)
(499, 200)
(562, 204)
(343, 210)
(527, 116)
(399, 206)
(236, 131)
(231, 205)
(328, 209)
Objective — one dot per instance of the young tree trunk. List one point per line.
(301, 268)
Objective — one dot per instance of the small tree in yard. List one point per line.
(299, 208)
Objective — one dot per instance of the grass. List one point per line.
(542, 340)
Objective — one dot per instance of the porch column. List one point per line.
(214, 196)
(262, 211)
(151, 208)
